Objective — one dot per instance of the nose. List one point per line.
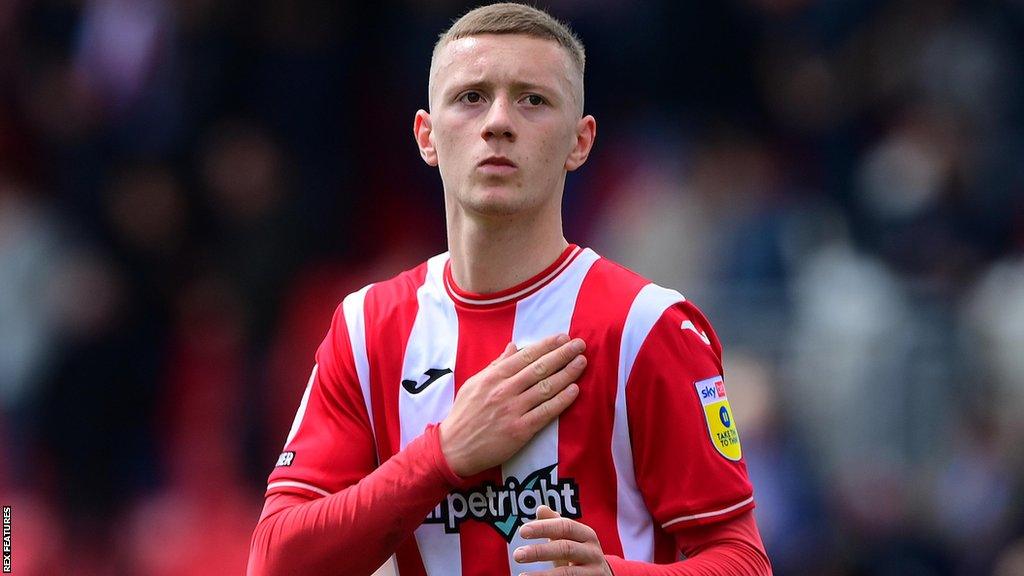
(498, 122)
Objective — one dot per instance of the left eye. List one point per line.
(534, 100)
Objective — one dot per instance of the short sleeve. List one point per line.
(330, 445)
(687, 455)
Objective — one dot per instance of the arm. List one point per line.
(728, 548)
(355, 530)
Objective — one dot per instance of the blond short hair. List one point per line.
(513, 18)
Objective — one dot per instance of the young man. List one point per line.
(565, 387)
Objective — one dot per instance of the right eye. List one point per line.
(471, 97)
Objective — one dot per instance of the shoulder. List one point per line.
(376, 301)
(610, 291)
(385, 296)
(647, 301)
(657, 316)
(618, 278)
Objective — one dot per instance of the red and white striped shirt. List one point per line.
(648, 448)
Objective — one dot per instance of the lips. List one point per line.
(497, 167)
(497, 161)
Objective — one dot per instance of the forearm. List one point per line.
(355, 530)
(725, 559)
(731, 548)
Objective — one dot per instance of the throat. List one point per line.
(491, 254)
(503, 263)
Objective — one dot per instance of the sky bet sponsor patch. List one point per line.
(718, 415)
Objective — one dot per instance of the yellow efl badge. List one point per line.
(719, 417)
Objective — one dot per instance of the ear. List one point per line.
(586, 131)
(422, 132)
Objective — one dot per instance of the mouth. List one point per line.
(497, 165)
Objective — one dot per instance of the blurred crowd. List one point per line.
(189, 187)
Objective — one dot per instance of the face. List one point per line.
(504, 125)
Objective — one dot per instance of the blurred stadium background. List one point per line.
(188, 187)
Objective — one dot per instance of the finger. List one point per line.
(548, 410)
(588, 570)
(558, 529)
(548, 364)
(544, 512)
(529, 354)
(560, 551)
(547, 387)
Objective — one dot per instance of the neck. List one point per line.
(491, 254)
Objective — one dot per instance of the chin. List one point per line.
(495, 209)
(497, 201)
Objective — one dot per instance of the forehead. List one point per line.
(504, 57)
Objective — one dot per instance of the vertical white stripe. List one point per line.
(433, 343)
(547, 312)
(636, 527)
(389, 568)
(301, 413)
(355, 319)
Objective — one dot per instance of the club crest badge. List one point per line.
(718, 415)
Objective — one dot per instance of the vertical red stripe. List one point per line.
(483, 335)
(408, 558)
(585, 429)
(665, 551)
(391, 309)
